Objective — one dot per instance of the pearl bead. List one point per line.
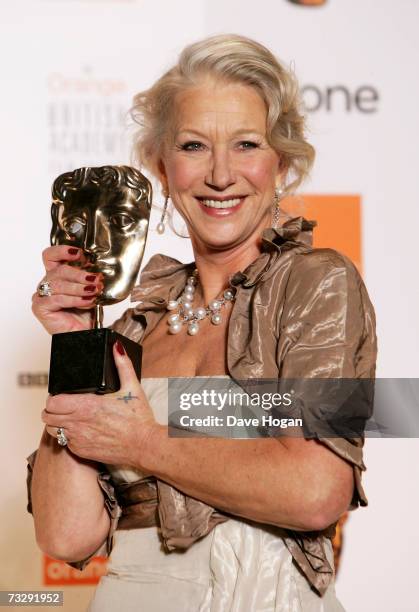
(175, 328)
(214, 305)
(216, 318)
(193, 328)
(189, 292)
(186, 314)
(160, 228)
(173, 318)
(200, 312)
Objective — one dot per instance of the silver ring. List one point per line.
(44, 289)
(61, 437)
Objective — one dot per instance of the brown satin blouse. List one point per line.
(299, 312)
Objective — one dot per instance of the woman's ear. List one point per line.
(163, 177)
(281, 171)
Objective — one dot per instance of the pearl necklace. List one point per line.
(187, 314)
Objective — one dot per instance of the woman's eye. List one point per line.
(192, 146)
(248, 144)
(74, 227)
(122, 220)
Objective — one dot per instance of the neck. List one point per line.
(215, 267)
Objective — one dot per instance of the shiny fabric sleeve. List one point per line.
(327, 331)
(110, 502)
(129, 324)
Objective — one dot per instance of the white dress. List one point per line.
(237, 567)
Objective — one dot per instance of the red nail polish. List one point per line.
(90, 278)
(73, 251)
(88, 297)
(90, 288)
(119, 347)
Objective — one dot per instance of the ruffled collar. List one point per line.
(164, 277)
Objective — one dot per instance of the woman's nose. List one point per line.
(220, 172)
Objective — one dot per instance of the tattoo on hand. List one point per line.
(128, 397)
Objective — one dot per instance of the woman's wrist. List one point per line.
(145, 451)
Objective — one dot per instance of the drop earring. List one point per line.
(161, 226)
(276, 212)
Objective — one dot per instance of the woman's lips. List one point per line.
(221, 212)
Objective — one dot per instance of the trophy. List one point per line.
(105, 212)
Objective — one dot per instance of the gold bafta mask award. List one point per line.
(104, 211)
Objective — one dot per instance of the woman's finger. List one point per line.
(62, 287)
(54, 420)
(73, 274)
(54, 303)
(53, 256)
(52, 431)
(69, 403)
(127, 376)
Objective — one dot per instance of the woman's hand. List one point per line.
(110, 428)
(74, 290)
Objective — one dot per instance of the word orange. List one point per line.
(58, 573)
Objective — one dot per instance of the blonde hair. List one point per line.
(231, 58)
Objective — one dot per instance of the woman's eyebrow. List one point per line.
(191, 131)
(238, 132)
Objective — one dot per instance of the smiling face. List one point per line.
(218, 166)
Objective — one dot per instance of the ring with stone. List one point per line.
(44, 289)
(61, 437)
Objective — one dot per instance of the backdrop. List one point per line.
(69, 71)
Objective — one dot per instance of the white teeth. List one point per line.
(218, 204)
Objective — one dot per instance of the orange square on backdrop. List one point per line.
(338, 221)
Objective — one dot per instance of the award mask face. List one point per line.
(104, 211)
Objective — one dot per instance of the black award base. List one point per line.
(82, 362)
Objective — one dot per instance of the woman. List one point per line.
(245, 524)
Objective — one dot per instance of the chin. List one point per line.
(224, 235)
(222, 242)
